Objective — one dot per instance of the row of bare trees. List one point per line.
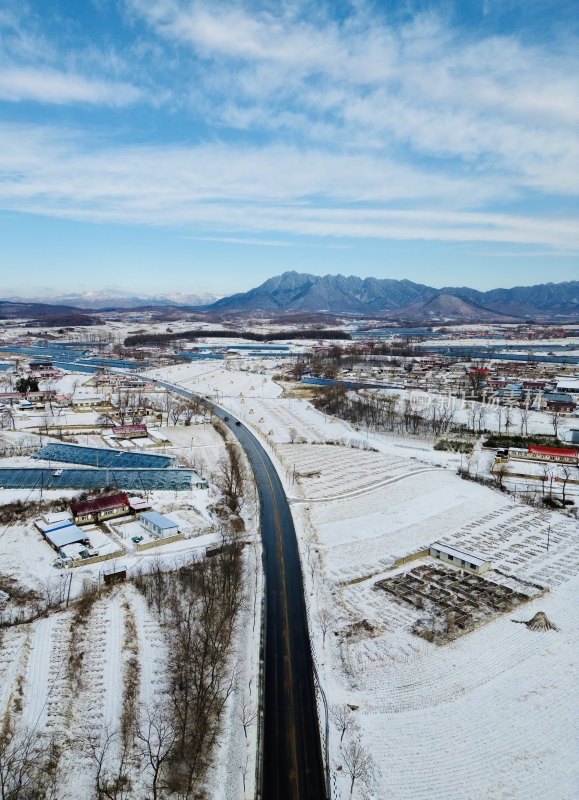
(28, 763)
(198, 605)
(387, 412)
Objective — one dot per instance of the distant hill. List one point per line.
(295, 291)
(13, 310)
(336, 294)
(113, 298)
(445, 306)
(302, 297)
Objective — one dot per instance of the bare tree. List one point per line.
(508, 418)
(244, 769)
(247, 714)
(191, 408)
(566, 477)
(326, 620)
(500, 473)
(555, 417)
(500, 413)
(343, 719)
(156, 737)
(482, 413)
(525, 418)
(27, 765)
(230, 477)
(112, 777)
(357, 762)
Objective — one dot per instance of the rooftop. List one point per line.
(159, 520)
(561, 452)
(464, 555)
(107, 503)
(63, 536)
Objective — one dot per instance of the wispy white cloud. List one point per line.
(50, 86)
(219, 189)
(417, 89)
(235, 240)
(298, 122)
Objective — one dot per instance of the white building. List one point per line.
(463, 559)
(568, 385)
(157, 525)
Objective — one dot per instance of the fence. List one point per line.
(178, 537)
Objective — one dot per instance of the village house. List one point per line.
(157, 525)
(101, 508)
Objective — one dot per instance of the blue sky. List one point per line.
(189, 145)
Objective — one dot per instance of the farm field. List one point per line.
(490, 714)
(79, 674)
(497, 698)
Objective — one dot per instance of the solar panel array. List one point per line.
(101, 457)
(128, 479)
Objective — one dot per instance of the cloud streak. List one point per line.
(279, 190)
(49, 86)
(286, 119)
(416, 89)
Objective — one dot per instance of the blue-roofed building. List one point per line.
(157, 525)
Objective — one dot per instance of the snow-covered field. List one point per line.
(39, 688)
(490, 715)
(493, 714)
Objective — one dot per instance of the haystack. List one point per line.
(540, 622)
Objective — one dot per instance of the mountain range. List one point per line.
(302, 294)
(115, 298)
(403, 299)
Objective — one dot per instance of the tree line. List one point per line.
(140, 339)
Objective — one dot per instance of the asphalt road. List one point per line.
(292, 761)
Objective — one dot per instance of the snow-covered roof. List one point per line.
(138, 503)
(64, 536)
(164, 523)
(463, 555)
(107, 503)
(56, 516)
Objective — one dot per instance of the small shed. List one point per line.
(62, 536)
(114, 575)
(198, 482)
(463, 559)
(138, 504)
(159, 526)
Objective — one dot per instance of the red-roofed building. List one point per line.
(565, 455)
(101, 508)
(130, 431)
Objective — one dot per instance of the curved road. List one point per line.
(292, 760)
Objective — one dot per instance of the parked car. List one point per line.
(136, 539)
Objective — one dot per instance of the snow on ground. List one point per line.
(478, 718)
(492, 714)
(36, 680)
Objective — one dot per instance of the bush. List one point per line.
(454, 445)
(502, 440)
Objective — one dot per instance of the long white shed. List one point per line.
(463, 559)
